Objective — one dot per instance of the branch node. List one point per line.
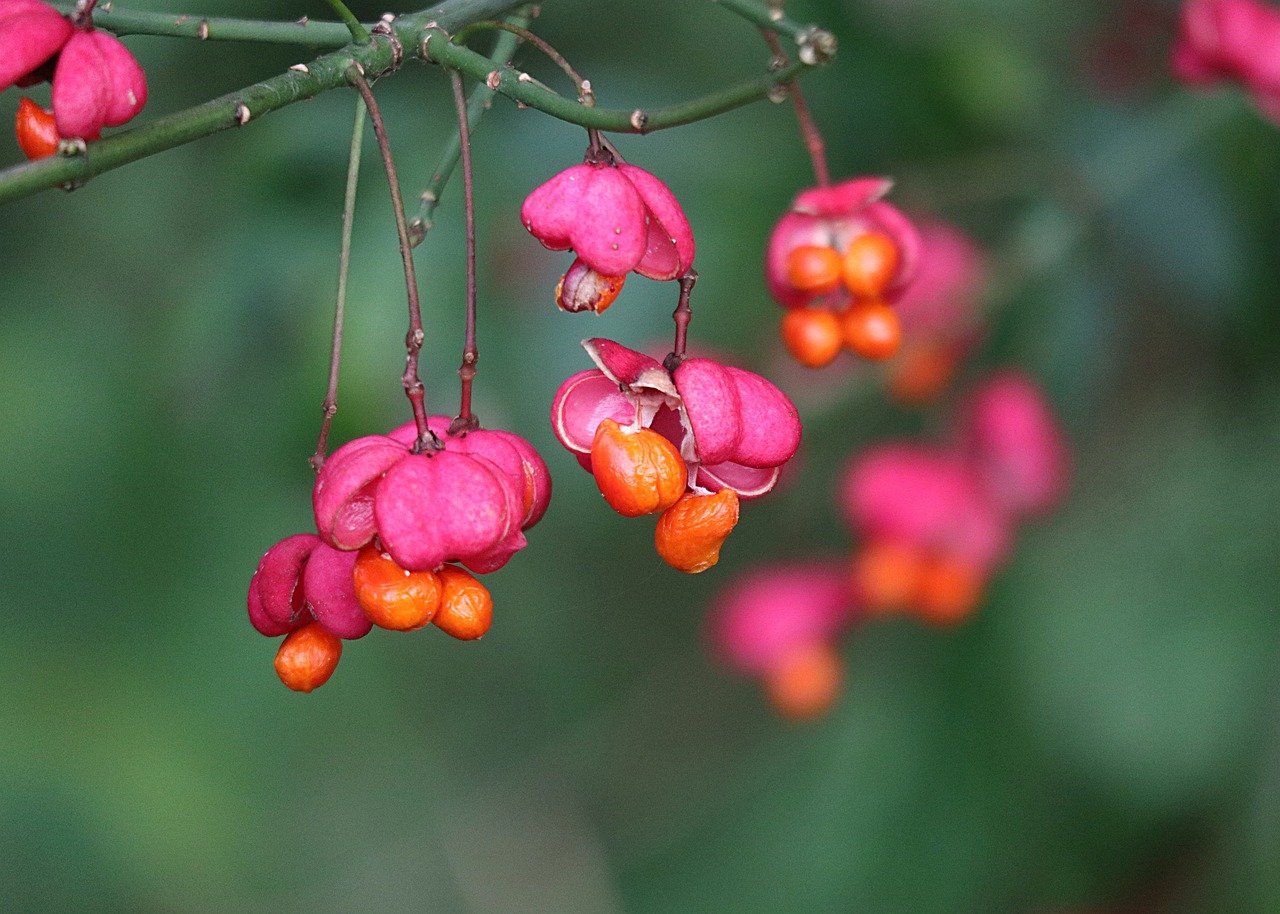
(303, 21)
(242, 114)
(202, 31)
(639, 119)
(69, 148)
(387, 31)
(493, 80)
(300, 68)
(816, 46)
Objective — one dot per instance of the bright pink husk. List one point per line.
(833, 217)
(276, 579)
(328, 585)
(1231, 39)
(594, 210)
(97, 83)
(942, 299)
(444, 507)
(259, 619)
(30, 33)
(537, 478)
(1008, 432)
(759, 618)
(342, 497)
(581, 403)
(926, 498)
(669, 246)
(617, 219)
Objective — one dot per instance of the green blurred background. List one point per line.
(1103, 736)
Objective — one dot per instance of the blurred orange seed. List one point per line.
(887, 575)
(690, 533)
(869, 263)
(805, 682)
(307, 657)
(637, 470)
(872, 330)
(950, 591)
(814, 269)
(813, 336)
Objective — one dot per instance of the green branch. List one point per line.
(425, 34)
(437, 48)
(323, 35)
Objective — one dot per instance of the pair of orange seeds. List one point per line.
(868, 327)
(394, 599)
(640, 472)
(891, 577)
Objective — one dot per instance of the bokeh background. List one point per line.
(1103, 736)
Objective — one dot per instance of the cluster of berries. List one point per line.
(686, 438)
(935, 524)
(1236, 40)
(396, 517)
(837, 261)
(687, 442)
(781, 624)
(97, 83)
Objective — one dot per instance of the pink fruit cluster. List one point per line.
(935, 523)
(97, 83)
(467, 497)
(618, 219)
(1231, 40)
(780, 624)
(833, 217)
(733, 428)
(469, 500)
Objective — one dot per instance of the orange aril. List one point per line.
(813, 268)
(307, 657)
(690, 533)
(872, 330)
(886, 575)
(36, 130)
(813, 336)
(466, 606)
(638, 471)
(392, 597)
(869, 263)
(805, 682)
(923, 371)
(950, 590)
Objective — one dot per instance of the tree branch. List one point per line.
(427, 35)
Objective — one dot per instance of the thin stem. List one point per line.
(585, 95)
(682, 315)
(808, 126)
(330, 408)
(325, 35)
(477, 104)
(359, 34)
(769, 15)
(470, 355)
(413, 388)
(84, 12)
